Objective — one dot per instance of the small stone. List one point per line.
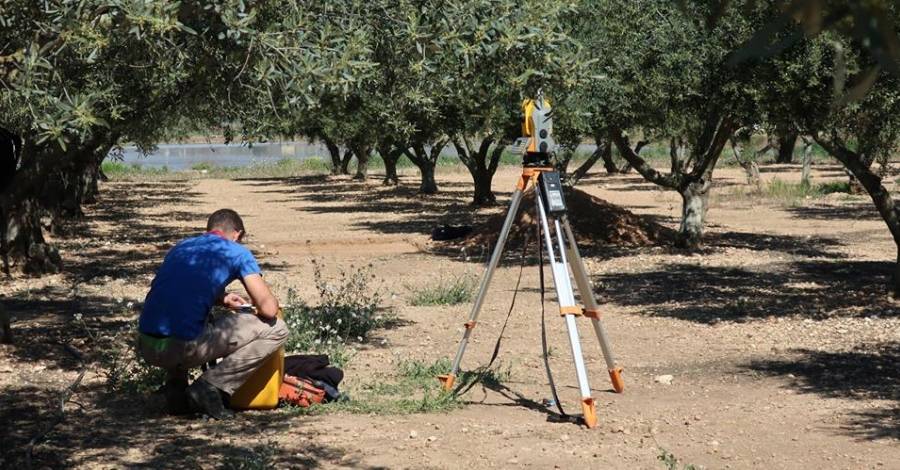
(513, 461)
(664, 379)
(413, 434)
(713, 443)
(431, 438)
(564, 437)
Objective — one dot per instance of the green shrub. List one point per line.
(348, 310)
(455, 291)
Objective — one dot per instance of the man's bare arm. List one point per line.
(266, 303)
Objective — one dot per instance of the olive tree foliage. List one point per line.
(662, 75)
(78, 78)
(502, 52)
(449, 73)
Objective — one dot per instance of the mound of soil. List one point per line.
(594, 222)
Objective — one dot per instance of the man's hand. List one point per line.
(233, 301)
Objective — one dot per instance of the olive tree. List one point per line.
(79, 78)
(484, 58)
(860, 131)
(663, 73)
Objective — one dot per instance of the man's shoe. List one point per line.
(205, 398)
(177, 402)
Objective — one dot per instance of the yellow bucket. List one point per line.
(260, 391)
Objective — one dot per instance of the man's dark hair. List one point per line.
(225, 220)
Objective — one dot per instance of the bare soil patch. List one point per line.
(779, 336)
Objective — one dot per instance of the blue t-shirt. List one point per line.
(192, 278)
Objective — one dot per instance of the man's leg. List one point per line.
(169, 358)
(176, 391)
(244, 341)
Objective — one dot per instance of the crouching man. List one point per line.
(178, 333)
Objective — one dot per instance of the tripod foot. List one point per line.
(447, 381)
(616, 376)
(590, 412)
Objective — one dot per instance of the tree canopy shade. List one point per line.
(77, 78)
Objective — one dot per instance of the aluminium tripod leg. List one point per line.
(448, 379)
(568, 310)
(591, 309)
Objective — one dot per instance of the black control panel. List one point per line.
(552, 192)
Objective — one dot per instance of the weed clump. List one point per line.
(454, 291)
(412, 388)
(671, 462)
(349, 308)
(793, 194)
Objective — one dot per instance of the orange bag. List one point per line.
(300, 392)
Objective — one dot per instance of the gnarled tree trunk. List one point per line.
(749, 164)
(390, 155)
(10, 153)
(345, 162)
(7, 336)
(335, 153)
(362, 152)
(482, 163)
(695, 199)
(806, 172)
(691, 177)
(426, 162)
(53, 184)
(22, 208)
(787, 139)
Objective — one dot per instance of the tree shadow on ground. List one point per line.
(867, 372)
(854, 211)
(45, 323)
(816, 289)
(132, 431)
(130, 246)
(135, 243)
(808, 246)
(417, 213)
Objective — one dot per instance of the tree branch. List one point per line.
(671, 181)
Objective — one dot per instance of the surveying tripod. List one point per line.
(563, 254)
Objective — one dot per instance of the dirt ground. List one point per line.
(780, 339)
